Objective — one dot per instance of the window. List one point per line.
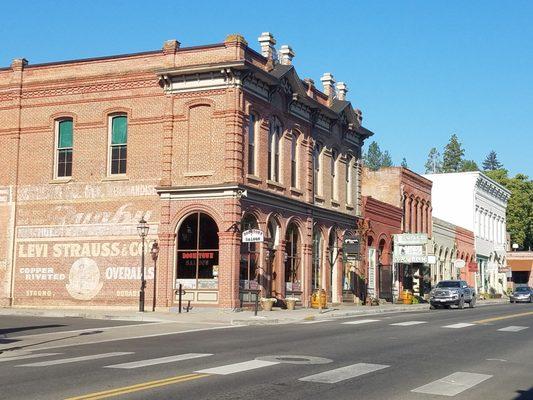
(292, 260)
(64, 148)
(294, 160)
(316, 170)
(274, 135)
(251, 144)
(348, 180)
(118, 144)
(317, 259)
(333, 173)
(197, 256)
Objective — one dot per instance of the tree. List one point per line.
(491, 162)
(434, 163)
(469, 165)
(386, 160)
(520, 206)
(453, 155)
(373, 157)
(404, 163)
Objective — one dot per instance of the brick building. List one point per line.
(204, 142)
(411, 193)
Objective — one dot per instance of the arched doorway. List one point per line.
(197, 257)
(272, 242)
(384, 271)
(248, 271)
(293, 261)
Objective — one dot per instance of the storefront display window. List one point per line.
(197, 252)
(249, 257)
(293, 260)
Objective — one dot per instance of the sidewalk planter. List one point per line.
(267, 303)
(319, 299)
(291, 303)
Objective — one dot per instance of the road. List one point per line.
(483, 353)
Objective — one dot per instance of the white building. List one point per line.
(474, 201)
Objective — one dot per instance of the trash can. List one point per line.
(319, 299)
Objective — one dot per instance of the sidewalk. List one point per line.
(217, 316)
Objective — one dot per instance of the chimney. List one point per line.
(310, 84)
(286, 54)
(267, 42)
(342, 89)
(171, 46)
(329, 86)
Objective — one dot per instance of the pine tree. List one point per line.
(434, 163)
(469, 165)
(491, 162)
(453, 155)
(386, 160)
(404, 163)
(373, 157)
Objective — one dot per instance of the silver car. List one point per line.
(522, 294)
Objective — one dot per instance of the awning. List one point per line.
(520, 265)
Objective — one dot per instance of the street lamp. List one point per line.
(154, 251)
(142, 229)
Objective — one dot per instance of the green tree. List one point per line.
(469, 165)
(519, 207)
(434, 163)
(453, 155)
(386, 160)
(373, 157)
(491, 162)
(404, 163)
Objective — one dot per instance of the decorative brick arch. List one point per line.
(186, 211)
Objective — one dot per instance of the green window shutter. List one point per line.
(65, 134)
(119, 129)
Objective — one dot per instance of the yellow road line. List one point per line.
(136, 388)
(484, 321)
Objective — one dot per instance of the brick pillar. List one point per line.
(228, 274)
(307, 261)
(279, 284)
(412, 212)
(165, 270)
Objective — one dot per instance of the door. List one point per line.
(385, 282)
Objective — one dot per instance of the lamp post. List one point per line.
(142, 229)
(154, 251)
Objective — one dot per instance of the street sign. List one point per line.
(253, 236)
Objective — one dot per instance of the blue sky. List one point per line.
(419, 70)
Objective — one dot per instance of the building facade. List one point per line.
(203, 142)
(473, 201)
(411, 193)
(520, 264)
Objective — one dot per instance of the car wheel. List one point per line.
(512, 301)
(472, 303)
(447, 306)
(461, 303)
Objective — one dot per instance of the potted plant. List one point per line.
(291, 302)
(267, 303)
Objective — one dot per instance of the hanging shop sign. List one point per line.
(351, 245)
(410, 248)
(253, 236)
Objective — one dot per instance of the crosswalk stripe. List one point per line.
(238, 367)
(155, 361)
(458, 326)
(453, 384)
(360, 321)
(26, 356)
(513, 328)
(74, 359)
(409, 323)
(317, 321)
(341, 374)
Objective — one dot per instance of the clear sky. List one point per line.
(419, 70)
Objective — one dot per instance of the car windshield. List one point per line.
(448, 284)
(522, 289)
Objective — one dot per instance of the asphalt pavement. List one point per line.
(482, 353)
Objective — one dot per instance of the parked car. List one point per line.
(522, 293)
(453, 292)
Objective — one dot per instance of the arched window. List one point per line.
(64, 147)
(251, 144)
(317, 259)
(274, 137)
(294, 160)
(118, 144)
(292, 260)
(333, 169)
(249, 257)
(317, 187)
(197, 248)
